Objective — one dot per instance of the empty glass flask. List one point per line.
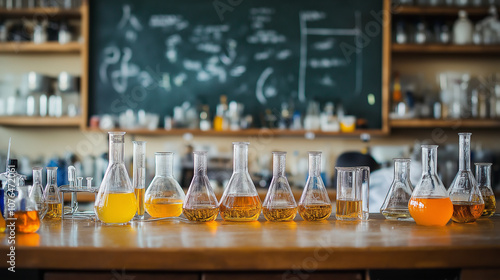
(52, 196)
(314, 204)
(395, 205)
(483, 177)
(36, 192)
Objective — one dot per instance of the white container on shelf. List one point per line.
(462, 29)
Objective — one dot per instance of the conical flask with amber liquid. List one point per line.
(468, 203)
(279, 205)
(430, 204)
(483, 177)
(314, 204)
(200, 204)
(240, 201)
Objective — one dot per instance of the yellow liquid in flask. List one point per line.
(116, 208)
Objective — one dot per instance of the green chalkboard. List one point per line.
(156, 55)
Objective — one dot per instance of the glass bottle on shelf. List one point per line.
(483, 177)
(395, 206)
(430, 204)
(36, 192)
(468, 203)
(314, 204)
(52, 196)
(164, 197)
(115, 202)
(240, 201)
(139, 176)
(279, 204)
(200, 204)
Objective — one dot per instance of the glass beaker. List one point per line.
(395, 206)
(314, 204)
(483, 177)
(115, 202)
(279, 204)
(36, 192)
(25, 213)
(349, 201)
(164, 196)
(468, 203)
(240, 201)
(364, 180)
(139, 176)
(200, 204)
(52, 196)
(430, 204)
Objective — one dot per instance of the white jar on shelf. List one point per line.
(462, 29)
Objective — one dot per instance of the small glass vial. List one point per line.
(468, 203)
(395, 205)
(483, 177)
(314, 204)
(51, 195)
(164, 196)
(36, 192)
(349, 201)
(139, 176)
(240, 201)
(200, 204)
(363, 176)
(279, 205)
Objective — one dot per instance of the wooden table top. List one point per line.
(186, 246)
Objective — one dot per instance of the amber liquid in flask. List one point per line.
(348, 209)
(314, 204)
(241, 208)
(483, 177)
(51, 196)
(349, 194)
(466, 212)
(490, 206)
(27, 221)
(315, 212)
(139, 197)
(54, 211)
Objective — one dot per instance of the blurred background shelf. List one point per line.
(40, 12)
(49, 47)
(438, 10)
(429, 123)
(41, 121)
(446, 49)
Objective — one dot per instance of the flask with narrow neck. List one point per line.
(36, 192)
(430, 204)
(115, 202)
(483, 177)
(240, 201)
(314, 204)
(164, 196)
(395, 206)
(468, 203)
(139, 176)
(52, 196)
(279, 204)
(200, 204)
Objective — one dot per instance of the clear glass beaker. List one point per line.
(364, 181)
(430, 204)
(349, 200)
(164, 196)
(36, 192)
(139, 176)
(395, 206)
(115, 202)
(200, 204)
(279, 204)
(483, 177)
(468, 203)
(314, 204)
(52, 196)
(25, 213)
(240, 201)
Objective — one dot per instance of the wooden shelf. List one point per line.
(432, 123)
(446, 49)
(38, 13)
(438, 10)
(40, 121)
(49, 47)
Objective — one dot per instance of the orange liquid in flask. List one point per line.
(431, 211)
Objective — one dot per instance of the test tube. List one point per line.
(71, 176)
(364, 177)
(71, 180)
(139, 175)
(80, 181)
(89, 182)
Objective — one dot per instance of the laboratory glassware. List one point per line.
(349, 201)
(52, 196)
(395, 206)
(25, 213)
(139, 176)
(430, 204)
(483, 177)
(115, 202)
(314, 204)
(36, 192)
(279, 204)
(364, 180)
(200, 204)
(240, 201)
(164, 196)
(468, 203)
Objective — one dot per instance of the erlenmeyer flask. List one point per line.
(279, 205)
(314, 204)
(483, 177)
(395, 205)
(139, 176)
(52, 196)
(164, 196)
(430, 204)
(200, 204)
(240, 201)
(468, 203)
(36, 192)
(115, 202)
(25, 213)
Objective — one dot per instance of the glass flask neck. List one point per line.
(164, 164)
(116, 146)
(279, 159)
(401, 170)
(37, 176)
(464, 153)
(240, 161)
(483, 174)
(52, 176)
(429, 159)
(314, 164)
(200, 163)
